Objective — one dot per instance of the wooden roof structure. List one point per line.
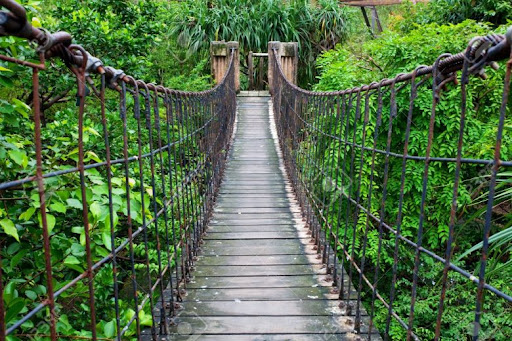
(368, 3)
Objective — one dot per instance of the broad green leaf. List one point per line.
(6, 107)
(102, 251)
(30, 294)
(93, 156)
(22, 108)
(27, 214)
(145, 319)
(9, 228)
(4, 69)
(35, 200)
(7, 82)
(107, 221)
(75, 203)
(13, 248)
(18, 257)
(109, 329)
(82, 238)
(71, 260)
(92, 131)
(19, 156)
(75, 267)
(77, 229)
(105, 236)
(58, 207)
(50, 222)
(77, 250)
(14, 309)
(95, 209)
(10, 292)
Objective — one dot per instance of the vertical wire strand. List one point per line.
(108, 167)
(378, 121)
(366, 116)
(143, 211)
(454, 204)
(129, 222)
(412, 97)
(435, 101)
(42, 208)
(167, 268)
(490, 202)
(80, 76)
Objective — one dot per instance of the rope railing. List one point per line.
(348, 156)
(139, 204)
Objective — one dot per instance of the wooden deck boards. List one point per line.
(257, 276)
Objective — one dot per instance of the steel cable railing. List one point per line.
(139, 200)
(344, 150)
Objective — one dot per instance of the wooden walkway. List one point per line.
(258, 277)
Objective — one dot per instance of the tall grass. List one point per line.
(316, 27)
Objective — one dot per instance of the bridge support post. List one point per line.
(220, 55)
(288, 56)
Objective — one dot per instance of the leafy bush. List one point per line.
(394, 52)
(131, 35)
(496, 12)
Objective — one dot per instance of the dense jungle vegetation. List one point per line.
(167, 42)
(417, 35)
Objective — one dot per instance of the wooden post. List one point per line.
(220, 53)
(260, 74)
(250, 72)
(272, 45)
(288, 56)
(233, 45)
(290, 60)
(377, 26)
(367, 20)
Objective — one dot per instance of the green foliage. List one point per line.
(401, 50)
(131, 35)
(497, 12)
(253, 24)
(122, 33)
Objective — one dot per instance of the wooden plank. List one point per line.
(234, 221)
(255, 260)
(229, 325)
(250, 228)
(259, 282)
(258, 235)
(256, 308)
(258, 270)
(259, 294)
(252, 210)
(247, 249)
(244, 202)
(253, 216)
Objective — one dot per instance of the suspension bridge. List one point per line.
(246, 215)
